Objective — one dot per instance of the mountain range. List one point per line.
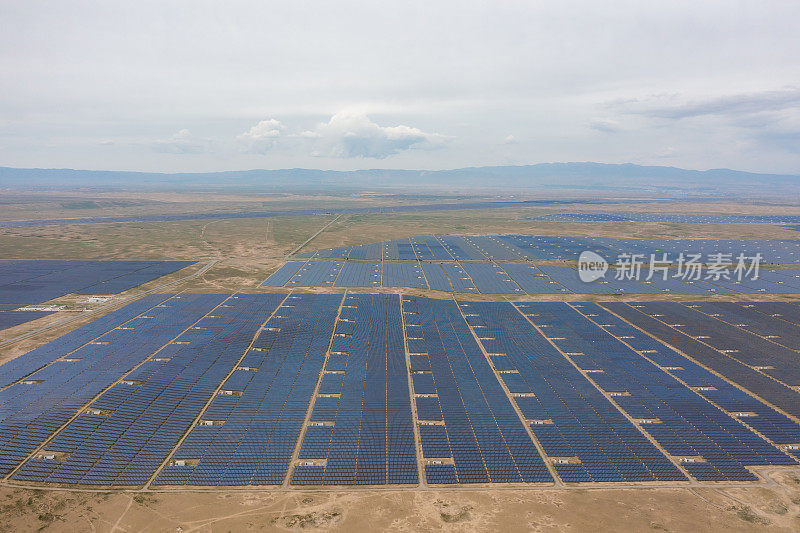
(555, 177)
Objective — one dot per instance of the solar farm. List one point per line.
(281, 213)
(474, 364)
(682, 218)
(528, 247)
(517, 265)
(24, 284)
(378, 389)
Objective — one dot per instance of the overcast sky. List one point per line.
(202, 86)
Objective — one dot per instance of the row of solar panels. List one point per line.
(680, 218)
(306, 212)
(516, 278)
(749, 346)
(23, 282)
(525, 247)
(314, 389)
(10, 318)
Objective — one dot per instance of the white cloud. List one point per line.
(604, 125)
(727, 105)
(667, 153)
(350, 134)
(182, 142)
(510, 139)
(261, 137)
(478, 76)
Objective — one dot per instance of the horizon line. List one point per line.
(553, 163)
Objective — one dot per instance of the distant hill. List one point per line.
(586, 177)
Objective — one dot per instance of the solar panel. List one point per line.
(215, 390)
(681, 218)
(25, 282)
(581, 427)
(66, 386)
(728, 361)
(528, 248)
(684, 423)
(365, 399)
(486, 438)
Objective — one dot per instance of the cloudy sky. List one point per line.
(201, 86)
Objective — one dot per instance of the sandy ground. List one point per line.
(775, 508)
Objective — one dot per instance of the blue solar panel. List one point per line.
(459, 279)
(524, 247)
(366, 251)
(9, 319)
(331, 383)
(371, 440)
(494, 248)
(746, 317)
(785, 312)
(428, 408)
(577, 413)
(423, 383)
(681, 218)
(532, 280)
(315, 274)
(488, 390)
(404, 275)
(31, 282)
(486, 437)
(421, 249)
(359, 275)
(473, 274)
(733, 363)
(460, 249)
(491, 278)
(436, 278)
(434, 441)
(440, 474)
(687, 424)
(92, 366)
(283, 274)
(256, 440)
(401, 249)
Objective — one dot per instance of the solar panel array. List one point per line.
(751, 364)
(681, 218)
(140, 424)
(316, 389)
(712, 445)
(38, 403)
(516, 278)
(776, 427)
(525, 247)
(11, 318)
(363, 430)
(31, 282)
(300, 212)
(248, 433)
(585, 435)
(480, 437)
(358, 275)
(772, 250)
